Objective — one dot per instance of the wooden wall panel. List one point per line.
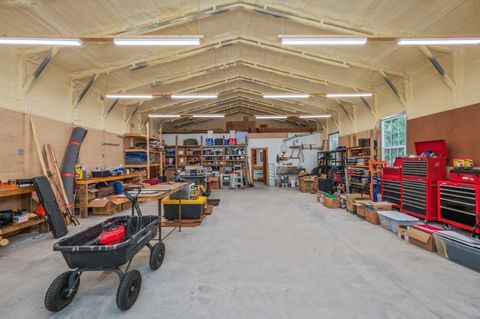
(459, 127)
(16, 137)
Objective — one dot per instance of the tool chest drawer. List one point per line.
(414, 168)
(414, 196)
(458, 204)
(392, 191)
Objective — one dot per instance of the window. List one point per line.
(394, 137)
(333, 141)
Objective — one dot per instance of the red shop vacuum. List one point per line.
(113, 233)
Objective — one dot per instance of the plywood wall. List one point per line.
(18, 156)
(459, 127)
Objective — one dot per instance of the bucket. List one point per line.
(117, 188)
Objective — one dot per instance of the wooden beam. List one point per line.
(39, 70)
(438, 67)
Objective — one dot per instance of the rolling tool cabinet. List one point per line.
(419, 176)
(392, 183)
(459, 202)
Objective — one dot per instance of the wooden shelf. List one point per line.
(361, 148)
(7, 192)
(356, 184)
(4, 231)
(95, 180)
(141, 166)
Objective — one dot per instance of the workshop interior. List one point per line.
(239, 159)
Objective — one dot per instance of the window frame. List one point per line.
(383, 137)
(329, 140)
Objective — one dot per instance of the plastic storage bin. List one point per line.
(458, 248)
(390, 220)
(191, 208)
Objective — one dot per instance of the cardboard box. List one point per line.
(169, 173)
(307, 184)
(331, 202)
(356, 207)
(361, 211)
(104, 192)
(380, 206)
(91, 193)
(189, 153)
(182, 160)
(353, 196)
(103, 206)
(422, 239)
(320, 197)
(371, 216)
(214, 182)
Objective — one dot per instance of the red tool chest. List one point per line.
(419, 179)
(391, 183)
(459, 204)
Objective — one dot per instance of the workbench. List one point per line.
(83, 188)
(160, 191)
(22, 198)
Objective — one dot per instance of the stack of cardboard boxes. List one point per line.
(307, 184)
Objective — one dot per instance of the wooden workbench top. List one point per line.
(95, 180)
(6, 192)
(162, 190)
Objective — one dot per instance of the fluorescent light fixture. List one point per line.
(438, 41)
(194, 96)
(41, 41)
(164, 116)
(286, 96)
(335, 95)
(208, 115)
(159, 41)
(130, 96)
(270, 117)
(310, 40)
(324, 116)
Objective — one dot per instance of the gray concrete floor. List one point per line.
(264, 253)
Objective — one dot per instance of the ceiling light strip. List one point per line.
(286, 96)
(338, 95)
(41, 41)
(270, 117)
(194, 96)
(313, 40)
(164, 116)
(438, 41)
(315, 116)
(130, 96)
(158, 41)
(208, 115)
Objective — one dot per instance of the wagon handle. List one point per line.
(131, 195)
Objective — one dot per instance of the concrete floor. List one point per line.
(264, 253)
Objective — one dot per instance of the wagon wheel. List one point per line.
(58, 295)
(128, 290)
(157, 253)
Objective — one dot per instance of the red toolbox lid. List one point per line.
(439, 147)
(426, 228)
